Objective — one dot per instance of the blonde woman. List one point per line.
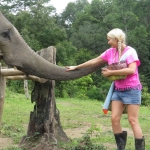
(127, 92)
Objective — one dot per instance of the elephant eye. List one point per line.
(6, 34)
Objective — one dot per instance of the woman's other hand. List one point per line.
(106, 72)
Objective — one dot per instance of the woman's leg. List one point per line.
(133, 112)
(120, 136)
(117, 109)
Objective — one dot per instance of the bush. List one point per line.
(17, 86)
(99, 93)
(145, 96)
(74, 88)
(145, 90)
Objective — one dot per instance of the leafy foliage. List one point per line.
(145, 94)
(75, 88)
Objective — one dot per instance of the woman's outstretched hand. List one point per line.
(69, 68)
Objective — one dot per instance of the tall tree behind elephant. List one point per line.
(44, 129)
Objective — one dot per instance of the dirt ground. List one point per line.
(5, 142)
(72, 133)
(78, 132)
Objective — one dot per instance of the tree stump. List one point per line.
(44, 129)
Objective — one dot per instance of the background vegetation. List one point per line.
(79, 34)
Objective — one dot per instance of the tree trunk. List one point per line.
(44, 129)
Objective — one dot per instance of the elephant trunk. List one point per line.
(17, 53)
(33, 64)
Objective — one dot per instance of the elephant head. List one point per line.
(16, 53)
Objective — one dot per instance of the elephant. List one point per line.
(15, 52)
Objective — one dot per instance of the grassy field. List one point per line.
(78, 118)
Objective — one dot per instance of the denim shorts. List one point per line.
(131, 96)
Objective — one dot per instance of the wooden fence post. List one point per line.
(26, 91)
(2, 94)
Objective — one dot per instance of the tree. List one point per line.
(69, 15)
(89, 36)
(16, 6)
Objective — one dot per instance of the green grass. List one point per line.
(15, 116)
(74, 114)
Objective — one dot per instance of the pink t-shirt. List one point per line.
(132, 80)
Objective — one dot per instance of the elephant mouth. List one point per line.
(1, 54)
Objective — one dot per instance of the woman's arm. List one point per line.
(92, 62)
(126, 71)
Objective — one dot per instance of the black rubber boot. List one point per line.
(140, 144)
(121, 139)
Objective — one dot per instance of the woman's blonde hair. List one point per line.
(120, 36)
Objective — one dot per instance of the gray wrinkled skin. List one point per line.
(16, 53)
